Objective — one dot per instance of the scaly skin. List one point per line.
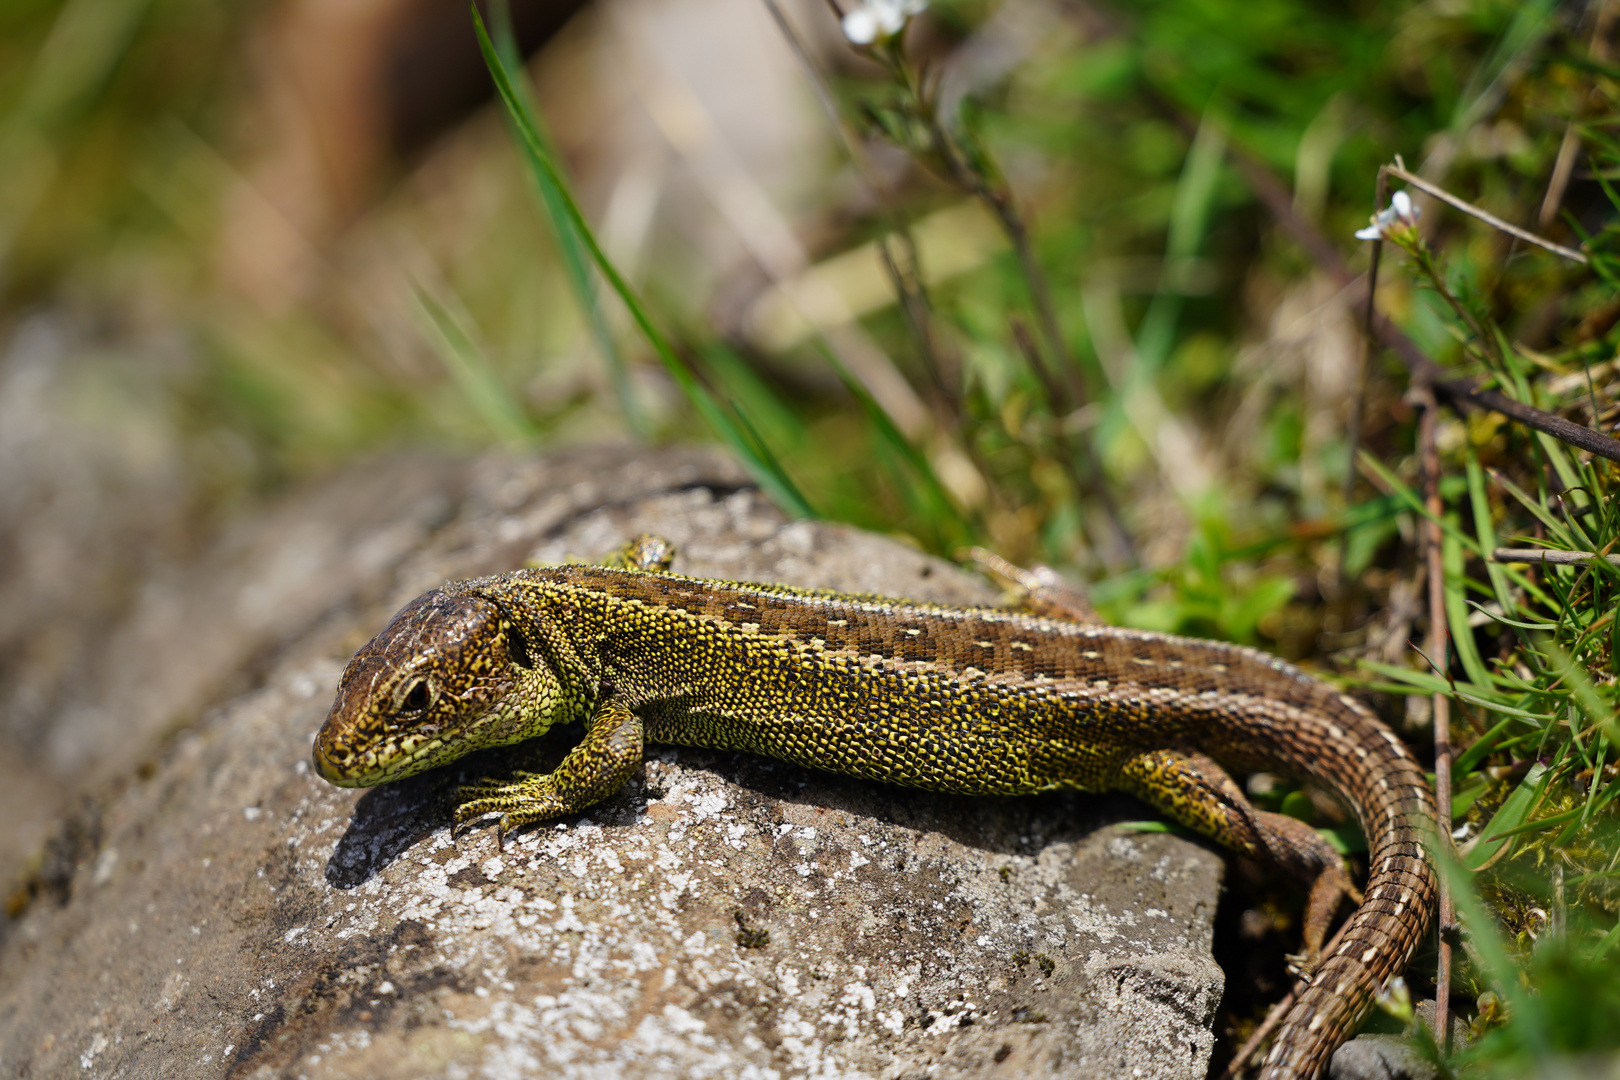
(974, 701)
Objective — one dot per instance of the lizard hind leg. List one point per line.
(1193, 790)
(1040, 590)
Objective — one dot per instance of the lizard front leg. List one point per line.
(1195, 791)
(645, 552)
(607, 757)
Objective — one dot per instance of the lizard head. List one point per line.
(436, 684)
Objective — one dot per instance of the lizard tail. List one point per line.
(1387, 791)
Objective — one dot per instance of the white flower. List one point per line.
(1400, 212)
(872, 20)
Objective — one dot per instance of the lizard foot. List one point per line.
(646, 552)
(592, 771)
(530, 798)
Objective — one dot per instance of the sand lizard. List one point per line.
(967, 700)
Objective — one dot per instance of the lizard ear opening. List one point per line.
(517, 648)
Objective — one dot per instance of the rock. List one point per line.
(1379, 1057)
(223, 912)
(1379, 1053)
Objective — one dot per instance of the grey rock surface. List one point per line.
(1379, 1057)
(1384, 1054)
(223, 912)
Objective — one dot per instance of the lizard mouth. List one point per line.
(337, 765)
(344, 766)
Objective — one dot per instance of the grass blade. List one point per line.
(931, 501)
(771, 480)
(1486, 530)
(474, 374)
(1508, 820)
(576, 261)
(1462, 635)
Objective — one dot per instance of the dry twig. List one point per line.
(1438, 192)
(1545, 555)
(1460, 393)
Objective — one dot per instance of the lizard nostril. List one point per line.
(331, 762)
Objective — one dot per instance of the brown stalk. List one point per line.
(1240, 1060)
(915, 308)
(1564, 166)
(1107, 536)
(1438, 645)
(1358, 401)
(1545, 555)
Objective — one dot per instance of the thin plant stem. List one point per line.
(1553, 558)
(1107, 535)
(1564, 165)
(917, 312)
(1426, 263)
(1438, 646)
(1110, 536)
(1358, 400)
(999, 201)
(1257, 1038)
(1438, 192)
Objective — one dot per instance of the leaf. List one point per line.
(1415, 503)
(1462, 635)
(1495, 838)
(1545, 627)
(1592, 704)
(1486, 530)
(1482, 746)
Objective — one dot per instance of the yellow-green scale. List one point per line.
(863, 698)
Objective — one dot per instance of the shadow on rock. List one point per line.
(997, 824)
(389, 820)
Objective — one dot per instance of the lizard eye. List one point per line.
(417, 698)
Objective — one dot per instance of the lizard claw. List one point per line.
(1301, 964)
(468, 815)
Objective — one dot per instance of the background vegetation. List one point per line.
(1116, 326)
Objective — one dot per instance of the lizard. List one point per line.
(988, 701)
